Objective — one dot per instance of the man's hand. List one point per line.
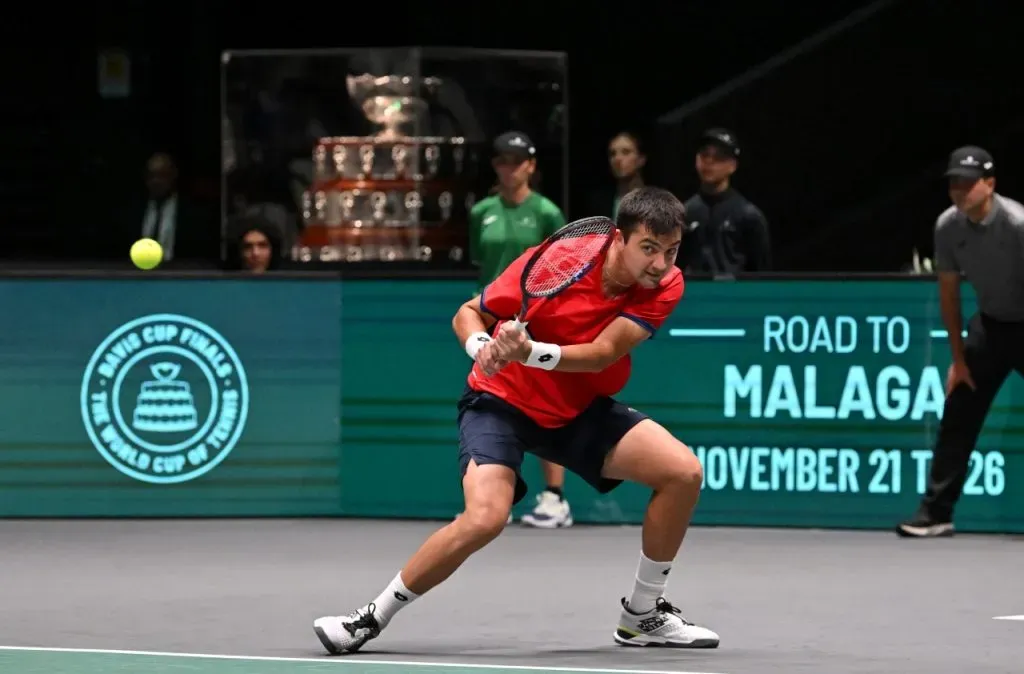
(511, 345)
(488, 360)
(958, 374)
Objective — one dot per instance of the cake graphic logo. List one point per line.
(165, 405)
(164, 399)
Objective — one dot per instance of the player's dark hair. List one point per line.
(656, 208)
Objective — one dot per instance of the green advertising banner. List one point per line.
(135, 398)
(809, 403)
(817, 403)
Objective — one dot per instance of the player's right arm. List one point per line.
(500, 299)
(470, 320)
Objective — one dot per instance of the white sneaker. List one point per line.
(347, 634)
(661, 626)
(552, 512)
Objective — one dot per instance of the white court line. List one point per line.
(354, 660)
(1009, 617)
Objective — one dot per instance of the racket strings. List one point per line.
(567, 257)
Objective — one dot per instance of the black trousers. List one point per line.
(992, 350)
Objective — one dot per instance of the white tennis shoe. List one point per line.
(662, 626)
(551, 512)
(347, 634)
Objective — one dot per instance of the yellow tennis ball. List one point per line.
(146, 253)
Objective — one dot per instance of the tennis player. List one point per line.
(548, 393)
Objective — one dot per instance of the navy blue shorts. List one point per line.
(492, 431)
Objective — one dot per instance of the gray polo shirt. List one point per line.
(989, 254)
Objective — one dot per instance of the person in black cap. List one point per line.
(979, 238)
(502, 227)
(726, 233)
(516, 216)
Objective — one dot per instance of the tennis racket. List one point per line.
(561, 260)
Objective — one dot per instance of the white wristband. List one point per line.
(543, 355)
(476, 342)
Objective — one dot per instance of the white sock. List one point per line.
(651, 579)
(394, 598)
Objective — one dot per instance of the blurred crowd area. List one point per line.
(794, 152)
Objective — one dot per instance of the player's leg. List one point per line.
(489, 492)
(508, 520)
(490, 457)
(552, 510)
(610, 443)
(649, 455)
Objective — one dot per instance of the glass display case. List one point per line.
(376, 156)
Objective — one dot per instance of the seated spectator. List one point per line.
(253, 245)
(181, 225)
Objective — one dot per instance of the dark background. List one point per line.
(843, 146)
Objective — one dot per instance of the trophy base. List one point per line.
(378, 242)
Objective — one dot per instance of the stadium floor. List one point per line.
(168, 596)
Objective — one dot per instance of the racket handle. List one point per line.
(520, 326)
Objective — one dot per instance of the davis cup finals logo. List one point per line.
(164, 399)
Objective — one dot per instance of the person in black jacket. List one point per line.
(726, 233)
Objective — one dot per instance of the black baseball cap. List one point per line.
(515, 143)
(970, 162)
(723, 139)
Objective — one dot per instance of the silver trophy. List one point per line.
(374, 196)
(392, 102)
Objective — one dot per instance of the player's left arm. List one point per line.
(620, 337)
(635, 324)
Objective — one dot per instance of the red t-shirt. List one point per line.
(576, 316)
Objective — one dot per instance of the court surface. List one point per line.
(171, 596)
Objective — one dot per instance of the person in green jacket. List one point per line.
(516, 217)
(501, 227)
